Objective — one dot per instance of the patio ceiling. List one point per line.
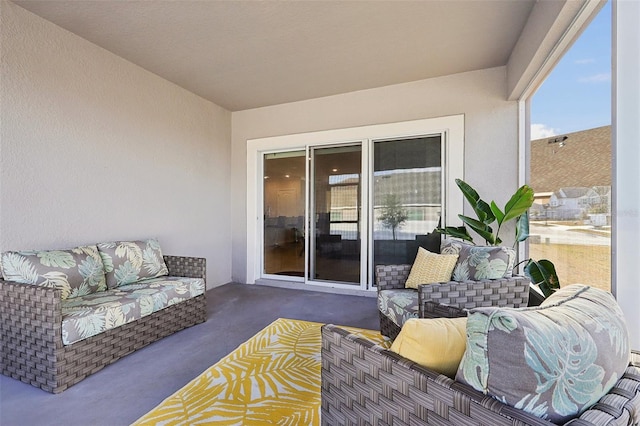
(243, 55)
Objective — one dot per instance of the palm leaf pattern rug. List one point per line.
(272, 378)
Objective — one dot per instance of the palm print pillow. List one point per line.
(127, 262)
(479, 262)
(76, 272)
(553, 361)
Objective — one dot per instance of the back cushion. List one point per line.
(430, 268)
(479, 262)
(553, 361)
(127, 262)
(435, 343)
(76, 272)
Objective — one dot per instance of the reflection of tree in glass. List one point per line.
(393, 215)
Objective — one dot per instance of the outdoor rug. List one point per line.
(272, 378)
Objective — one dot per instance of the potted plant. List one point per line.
(542, 273)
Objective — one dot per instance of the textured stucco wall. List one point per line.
(94, 148)
(491, 124)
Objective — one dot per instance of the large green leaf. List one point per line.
(456, 232)
(499, 215)
(482, 229)
(522, 227)
(480, 207)
(519, 203)
(543, 274)
(469, 193)
(484, 213)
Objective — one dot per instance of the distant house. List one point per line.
(571, 203)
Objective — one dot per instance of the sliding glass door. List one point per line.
(334, 204)
(404, 204)
(335, 244)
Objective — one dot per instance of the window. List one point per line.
(407, 196)
(570, 161)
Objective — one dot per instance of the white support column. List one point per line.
(626, 161)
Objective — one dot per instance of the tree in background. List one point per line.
(393, 215)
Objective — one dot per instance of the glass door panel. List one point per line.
(336, 212)
(407, 196)
(284, 204)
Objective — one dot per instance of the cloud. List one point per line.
(584, 61)
(596, 78)
(540, 131)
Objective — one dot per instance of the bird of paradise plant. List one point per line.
(542, 273)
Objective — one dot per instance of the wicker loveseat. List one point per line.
(363, 384)
(565, 362)
(449, 299)
(33, 337)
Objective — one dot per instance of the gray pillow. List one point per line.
(76, 272)
(479, 262)
(127, 262)
(553, 361)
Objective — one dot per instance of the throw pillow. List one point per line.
(553, 361)
(435, 343)
(76, 272)
(479, 262)
(127, 262)
(431, 242)
(430, 268)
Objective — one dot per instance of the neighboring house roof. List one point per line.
(602, 190)
(574, 192)
(583, 160)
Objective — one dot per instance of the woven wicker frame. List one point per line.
(451, 299)
(430, 310)
(363, 384)
(31, 332)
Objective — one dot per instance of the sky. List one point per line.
(577, 94)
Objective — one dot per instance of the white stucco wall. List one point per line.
(94, 148)
(491, 146)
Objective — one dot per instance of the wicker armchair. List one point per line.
(31, 332)
(448, 299)
(363, 384)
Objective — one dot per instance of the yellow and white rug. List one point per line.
(272, 378)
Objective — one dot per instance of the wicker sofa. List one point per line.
(31, 329)
(363, 384)
(448, 299)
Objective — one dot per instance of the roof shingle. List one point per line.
(581, 160)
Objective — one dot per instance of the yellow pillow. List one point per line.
(430, 268)
(435, 343)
